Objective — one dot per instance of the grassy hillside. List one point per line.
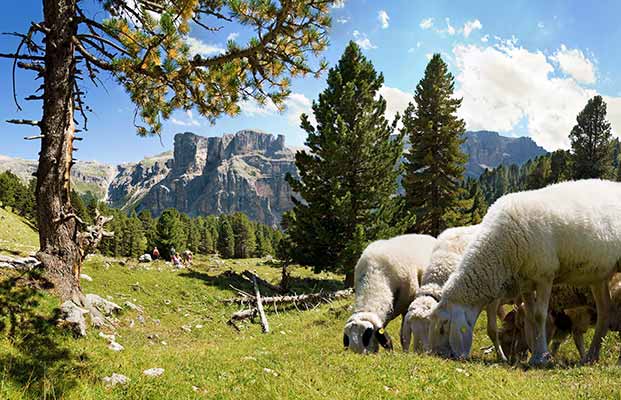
(302, 358)
(17, 236)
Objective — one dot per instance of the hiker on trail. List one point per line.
(176, 261)
(187, 257)
(156, 253)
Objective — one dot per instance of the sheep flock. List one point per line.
(551, 257)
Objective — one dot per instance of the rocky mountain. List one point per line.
(244, 172)
(87, 176)
(214, 175)
(488, 150)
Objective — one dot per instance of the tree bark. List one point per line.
(59, 252)
(349, 279)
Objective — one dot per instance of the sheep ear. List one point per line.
(383, 339)
(345, 340)
(366, 337)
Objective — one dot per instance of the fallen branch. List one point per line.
(257, 293)
(288, 299)
(306, 299)
(252, 276)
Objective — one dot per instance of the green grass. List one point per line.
(303, 354)
(17, 236)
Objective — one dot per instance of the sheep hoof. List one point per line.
(590, 359)
(541, 360)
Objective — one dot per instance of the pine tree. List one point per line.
(226, 238)
(169, 232)
(245, 241)
(348, 176)
(149, 228)
(135, 239)
(478, 209)
(151, 59)
(435, 162)
(591, 142)
(264, 241)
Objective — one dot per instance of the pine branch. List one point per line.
(24, 122)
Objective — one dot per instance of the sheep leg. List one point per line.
(529, 304)
(538, 318)
(579, 342)
(602, 301)
(492, 329)
(406, 335)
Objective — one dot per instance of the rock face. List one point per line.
(87, 176)
(134, 180)
(243, 172)
(489, 150)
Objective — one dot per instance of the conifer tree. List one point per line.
(435, 162)
(169, 232)
(245, 241)
(348, 176)
(226, 238)
(143, 46)
(478, 209)
(591, 142)
(149, 228)
(135, 239)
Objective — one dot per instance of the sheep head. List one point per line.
(451, 330)
(364, 333)
(419, 318)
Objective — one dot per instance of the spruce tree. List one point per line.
(435, 162)
(169, 232)
(245, 241)
(136, 240)
(348, 174)
(591, 142)
(226, 238)
(149, 228)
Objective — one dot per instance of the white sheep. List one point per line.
(386, 279)
(566, 233)
(445, 258)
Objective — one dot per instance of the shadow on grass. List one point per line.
(33, 359)
(228, 280)
(10, 251)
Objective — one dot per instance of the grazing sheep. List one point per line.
(386, 278)
(445, 258)
(571, 312)
(568, 233)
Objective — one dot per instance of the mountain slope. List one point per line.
(17, 236)
(236, 172)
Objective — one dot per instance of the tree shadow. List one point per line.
(10, 251)
(34, 359)
(229, 279)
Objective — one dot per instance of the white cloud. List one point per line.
(383, 18)
(232, 36)
(466, 30)
(363, 41)
(427, 23)
(470, 26)
(503, 85)
(485, 39)
(294, 106)
(449, 28)
(342, 20)
(396, 101)
(540, 25)
(412, 49)
(573, 63)
(197, 46)
(338, 4)
(191, 121)
(429, 56)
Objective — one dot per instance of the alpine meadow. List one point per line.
(310, 199)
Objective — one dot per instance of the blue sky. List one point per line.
(522, 67)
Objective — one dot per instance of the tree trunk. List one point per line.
(59, 252)
(349, 279)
